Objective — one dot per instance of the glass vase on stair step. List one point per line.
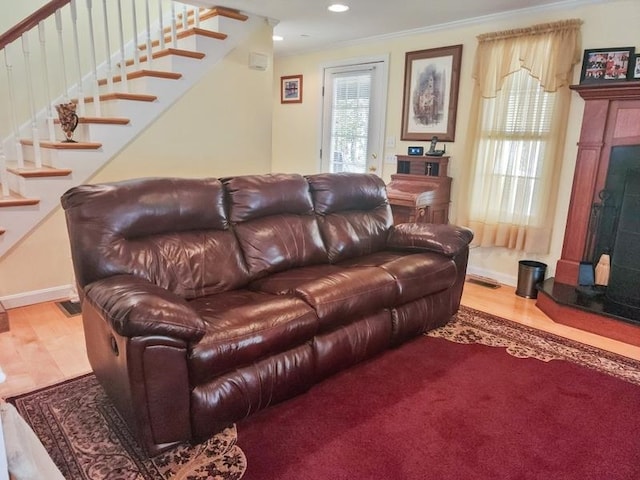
(68, 120)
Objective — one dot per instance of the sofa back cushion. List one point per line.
(173, 232)
(273, 218)
(353, 213)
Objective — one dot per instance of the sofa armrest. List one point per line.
(136, 307)
(446, 239)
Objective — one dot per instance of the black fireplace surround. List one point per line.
(614, 229)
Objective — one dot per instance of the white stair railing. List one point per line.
(147, 17)
(4, 181)
(76, 47)
(123, 57)
(35, 135)
(107, 46)
(11, 101)
(64, 81)
(174, 26)
(45, 81)
(68, 32)
(134, 19)
(94, 63)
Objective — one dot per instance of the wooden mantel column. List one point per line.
(611, 118)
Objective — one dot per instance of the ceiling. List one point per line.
(307, 25)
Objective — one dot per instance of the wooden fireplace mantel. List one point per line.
(610, 91)
(611, 118)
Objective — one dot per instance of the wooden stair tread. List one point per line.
(101, 120)
(64, 145)
(144, 73)
(206, 15)
(105, 120)
(224, 12)
(170, 51)
(15, 200)
(188, 33)
(136, 97)
(42, 172)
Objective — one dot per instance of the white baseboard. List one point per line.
(500, 277)
(62, 292)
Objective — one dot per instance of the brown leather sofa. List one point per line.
(205, 300)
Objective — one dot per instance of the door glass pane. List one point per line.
(350, 121)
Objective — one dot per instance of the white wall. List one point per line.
(221, 127)
(296, 126)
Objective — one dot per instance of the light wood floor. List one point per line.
(44, 346)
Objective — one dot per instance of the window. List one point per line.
(514, 136)
(517, 134)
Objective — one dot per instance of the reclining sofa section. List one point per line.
(205, 300)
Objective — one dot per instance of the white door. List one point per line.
(354, 101)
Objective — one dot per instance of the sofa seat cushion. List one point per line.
(285, 283)
(243, 326)
(348, 294)
(417, 275)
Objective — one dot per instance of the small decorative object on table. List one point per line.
(68, 120)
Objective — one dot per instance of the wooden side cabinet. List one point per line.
(421, 190)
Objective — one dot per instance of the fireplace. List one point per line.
(624, 282)
(605, 213)
(608, 149)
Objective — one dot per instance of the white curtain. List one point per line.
(517, 132)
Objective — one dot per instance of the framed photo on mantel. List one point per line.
(431, 82)
(605, 65)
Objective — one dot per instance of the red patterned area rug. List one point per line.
(451, 405)
(88, 440)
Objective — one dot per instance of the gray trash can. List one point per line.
(530, 273)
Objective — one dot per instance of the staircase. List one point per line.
(118, 95)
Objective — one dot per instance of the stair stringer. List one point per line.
(19, 221)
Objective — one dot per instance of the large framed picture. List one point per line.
(431, 82)
(602, 65)
(291, 89)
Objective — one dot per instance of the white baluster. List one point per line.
(107, 44)
(185, 17)
(35, 135)
(161, 25)
(123, 61)
(4, 178)
(63, 69)
(136, 50)
(12, 107)
(148, 25)
(196, 17)
(45, 80)
(80, 88)
(174, 27)
(94, 66)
